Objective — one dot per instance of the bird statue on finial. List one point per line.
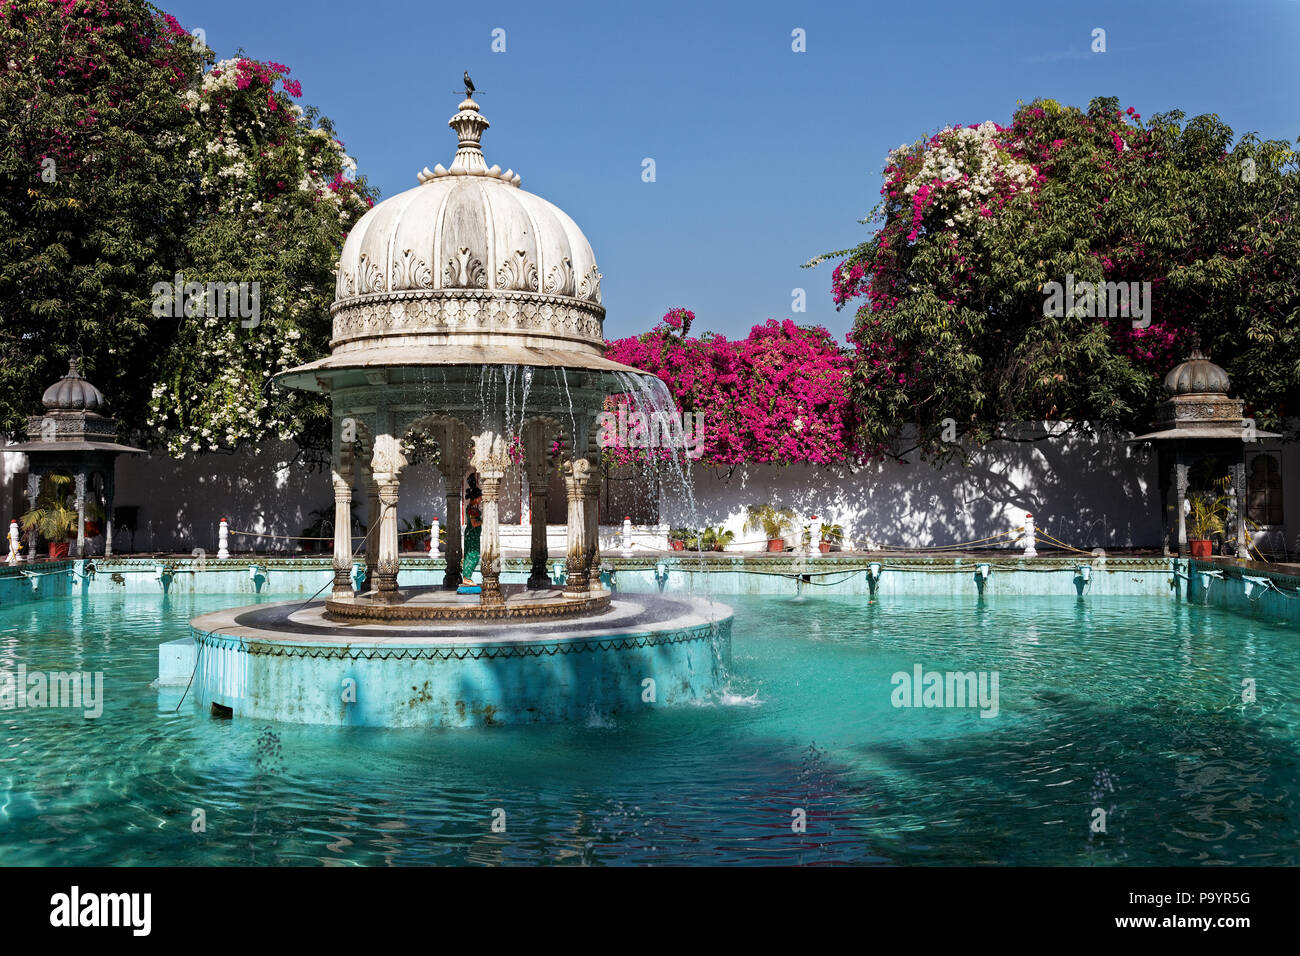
(469, 85)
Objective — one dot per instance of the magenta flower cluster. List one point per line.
(779, 395)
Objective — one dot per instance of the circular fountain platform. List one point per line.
(289, 661)
(441, 604)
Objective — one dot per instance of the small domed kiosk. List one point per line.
(1199, 426)
(466, 310)
(75, 437)
(467, 318)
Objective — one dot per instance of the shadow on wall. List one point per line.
(182, 502)
(1089, 492)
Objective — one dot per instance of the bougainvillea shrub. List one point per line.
(279, 195)
(779, 395)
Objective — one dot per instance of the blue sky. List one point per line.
(764, 157)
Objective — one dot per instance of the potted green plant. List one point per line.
(54, 518)
(832, 537)
(1207, 511)
(417, 533)
(677, 538)
(772, 521)
(716, 539)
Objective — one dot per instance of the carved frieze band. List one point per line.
(467, 310)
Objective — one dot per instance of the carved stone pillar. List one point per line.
(539, 550)
(370, 490)
(108, 511)
(342, 534)
(491, 540)
(455, 545)
(1239, 487)
(1180, 499)
(577, 474)
(538, 465)
(386, 569)
(452, 465)
(490, 461)
(591, 519)
(386, 464)
(81, 513)
(33, 493)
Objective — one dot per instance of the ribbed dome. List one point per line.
(1197, 376)
(466, 252)
(73, 393)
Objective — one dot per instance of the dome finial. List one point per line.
(1197, 375)
(469, 125)
(73, 392)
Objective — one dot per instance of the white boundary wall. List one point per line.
(1087, 492)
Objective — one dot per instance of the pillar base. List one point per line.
(385, 591)
(576, 581)
(342, 584)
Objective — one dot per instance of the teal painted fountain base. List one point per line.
(287, 662)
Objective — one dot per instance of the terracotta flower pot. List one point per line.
(776, 544)
(678, 545)
(825, 546)
(1201, 548)
(58, 549)
(93, 530)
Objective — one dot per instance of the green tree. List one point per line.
(94, 191)
(124, 165)
(975, 224)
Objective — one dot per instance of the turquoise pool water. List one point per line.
(1131, 705)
